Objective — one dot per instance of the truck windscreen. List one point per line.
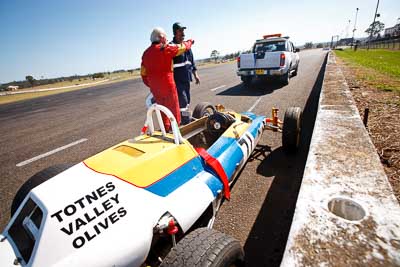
(273, 46)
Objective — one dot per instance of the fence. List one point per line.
(386, 44)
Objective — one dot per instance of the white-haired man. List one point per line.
(157, 71)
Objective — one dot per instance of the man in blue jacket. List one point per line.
(184, 67)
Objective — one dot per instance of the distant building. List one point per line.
(345, 41)
(12, 88)
(393, 31)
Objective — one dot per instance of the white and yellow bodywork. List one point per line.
(102, 211)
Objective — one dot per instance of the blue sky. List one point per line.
(51, 38)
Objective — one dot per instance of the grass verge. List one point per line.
(366, 85)
(383, 61)
(378, 68)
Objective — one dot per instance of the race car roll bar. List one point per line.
(149, 124)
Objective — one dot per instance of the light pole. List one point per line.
(354, 29)
(373, 23)
(337, 39)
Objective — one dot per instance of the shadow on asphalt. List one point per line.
(257, 88)
(266, 242)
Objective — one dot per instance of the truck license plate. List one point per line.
(260, 72)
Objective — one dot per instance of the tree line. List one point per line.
(31, 81)
(215, 55)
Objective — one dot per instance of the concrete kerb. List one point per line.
(346, 213)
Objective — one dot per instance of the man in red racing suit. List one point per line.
(157, 72)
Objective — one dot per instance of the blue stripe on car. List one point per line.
(250, 115)
(257, 123)
(225, 149)
(172, 181)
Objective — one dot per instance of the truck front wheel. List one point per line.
(285, 78)
(296, 70)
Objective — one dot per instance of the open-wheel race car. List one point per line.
(151, 200)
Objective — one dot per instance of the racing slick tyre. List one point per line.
(203, 109)
(205, 247)
(291, 129)
(285, 78)
(34, 181)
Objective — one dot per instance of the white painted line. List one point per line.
(216, 88)
(255, 104)
(38, 110)
(50, 152)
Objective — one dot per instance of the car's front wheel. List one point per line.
(205, 247)
(291, 130)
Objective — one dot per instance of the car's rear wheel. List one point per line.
(203, 109)
(34, 181)
(205, 247)
(291, 129)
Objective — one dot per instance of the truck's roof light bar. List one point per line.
(272, 35)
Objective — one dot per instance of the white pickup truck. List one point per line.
(271, 56)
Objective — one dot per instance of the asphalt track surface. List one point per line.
(72, 126)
